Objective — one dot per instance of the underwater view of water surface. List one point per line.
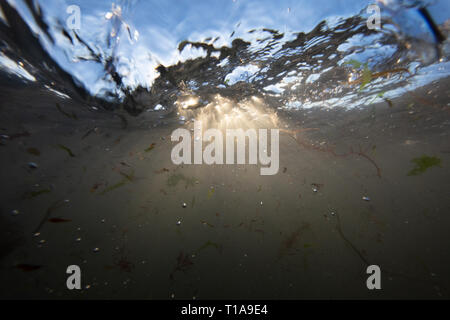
(118, 163)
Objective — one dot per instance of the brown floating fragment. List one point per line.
(27, 267)
(58, 220)
(150, 148)
(34, 151)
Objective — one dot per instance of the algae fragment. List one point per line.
(68, 115)
(366, 76)
(211, 192)
(423, 163)
(34, 194)
(66, 149)
(175, 178)
(129, 177)
(210, 244)
(150, 148)
(34, 151)
(115, 186)
(355, 63)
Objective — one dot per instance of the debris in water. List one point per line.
(178, 222)
(32, 165)
(211, 192)
(58, 220)
(162, 170)
(365, 198)
(184, 205)
(95, 186)
(129, 177)
(36, 234)
(89, 132)
(27, 267)
(19, 135)
(183, 264)
(66, 149)
(115, 186)
(423, 163)
(175, 178)
(53, 207)
(284, 170)
(206, 224)
(68, 115)
(150, 148)
(316, 186)
(96, 249)
(210, 244)
(290, 241)
(78, 239)
(15, 212)
(34, 194)
(34, 151)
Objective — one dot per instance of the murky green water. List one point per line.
(363, 169)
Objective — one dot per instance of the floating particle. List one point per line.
(42, 241)
(178, 222)
(32, 165)
(365, 198)
(150, 148)
(184, 205)
(88, 286)
(333, 213)
(314, 189)
(96, 249)
(78, 239)
(172, 296)
(103, 221)
(27, 267)
(15, 212)
(37, 234)
(58, 220)
(34, 151)
(66, 149)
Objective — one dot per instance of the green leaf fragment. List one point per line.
(355, 63)
(66, 149)
(423, 163)
(366, 76)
